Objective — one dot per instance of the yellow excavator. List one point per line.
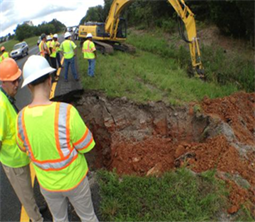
(112, 34)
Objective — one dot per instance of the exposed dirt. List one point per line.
(154, 138)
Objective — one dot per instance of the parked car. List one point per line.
(19, 50)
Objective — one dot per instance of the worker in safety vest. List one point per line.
(52, 46)
(68, 48)
(55, 38)
(55, 138)
(14, 162)
(43, 48)
(48, 42)
(89, 52)
(4, 54)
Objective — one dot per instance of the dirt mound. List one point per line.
(154, 138)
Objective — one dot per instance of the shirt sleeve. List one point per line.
(19, 139)
(73, 44)
(81, 136)
(92, 45)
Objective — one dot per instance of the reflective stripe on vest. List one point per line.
(41, 48)
(88, 49)
(71, 48)
(85, 141)
(65, 149)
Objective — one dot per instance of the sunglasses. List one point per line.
(16, 80)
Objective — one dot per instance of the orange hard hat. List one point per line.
(9, 70)
(2, 48)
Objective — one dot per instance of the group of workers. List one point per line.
(50, 49)
(50, 135)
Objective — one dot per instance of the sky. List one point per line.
(69, 12)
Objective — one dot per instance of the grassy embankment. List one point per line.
(158, 72)
(9, 44)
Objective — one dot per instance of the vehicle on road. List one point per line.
(20, 50)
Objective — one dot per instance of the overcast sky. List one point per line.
(69, 12)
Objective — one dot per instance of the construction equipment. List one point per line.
(186, 17)
(112, 34)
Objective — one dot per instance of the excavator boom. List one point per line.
(112, 33)
(112, 20)
(188, 19)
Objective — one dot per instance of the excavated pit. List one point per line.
(153, 138)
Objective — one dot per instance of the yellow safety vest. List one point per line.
(53, 48)
(55, 138)
(68, 47)
(10, 155)
(57, 46)
(88, 49)
(4, 56)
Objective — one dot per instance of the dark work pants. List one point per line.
(58, 59)
(54, 65)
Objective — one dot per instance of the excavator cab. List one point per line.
(122, 29)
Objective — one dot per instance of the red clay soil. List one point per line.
(157, 154)
(238, 111)
(154, 138)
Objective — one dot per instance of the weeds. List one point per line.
(176, 196)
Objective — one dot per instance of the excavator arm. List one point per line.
(112, 21)
(188, 19)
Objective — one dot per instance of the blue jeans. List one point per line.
(92, 65)
(67, 62)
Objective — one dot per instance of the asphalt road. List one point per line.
(9, 204)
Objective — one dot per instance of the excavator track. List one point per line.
(104, 47)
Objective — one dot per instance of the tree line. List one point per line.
(25, 31)
(233, 17)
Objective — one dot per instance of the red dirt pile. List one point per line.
(151, 139)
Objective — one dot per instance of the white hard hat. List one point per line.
(67, 34)
(89, 35)
(35, 67)
(55, 36)
(48, 38)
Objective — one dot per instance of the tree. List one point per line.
(24, 31)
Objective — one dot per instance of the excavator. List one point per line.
(111, 35)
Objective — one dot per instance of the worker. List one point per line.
(55, 38)
(89, 51)
(4, 54)
(48, 42)
(55, 138)
(43, 48)
(68, 47)
(14, 162)
(53, 55)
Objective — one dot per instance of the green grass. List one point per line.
(9, 44)
(147, 76)
(176, 196)
(221, 67)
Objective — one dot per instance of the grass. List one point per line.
(32, 41)
(221, 67)
(176, 196)
(147, 76)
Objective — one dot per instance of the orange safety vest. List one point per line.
(42, 48)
